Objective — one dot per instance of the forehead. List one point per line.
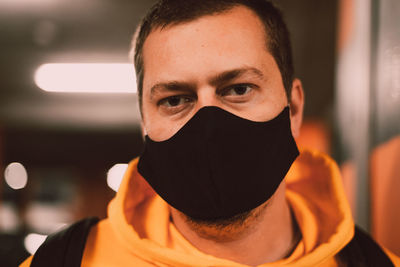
(214, 42)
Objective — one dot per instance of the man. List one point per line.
(220, 108)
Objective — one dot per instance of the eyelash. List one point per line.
(225, 90)
(222, 92)
(165, 100)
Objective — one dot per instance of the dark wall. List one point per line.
(312, 24)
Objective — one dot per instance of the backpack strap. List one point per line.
(363, 251)
(64, 248)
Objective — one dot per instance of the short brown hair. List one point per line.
(172, 12)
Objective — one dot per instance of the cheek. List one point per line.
(162, 132)
(267, 106)
(154, 125)
(159, 128)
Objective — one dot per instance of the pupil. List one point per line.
(240, 90)
(173, 101)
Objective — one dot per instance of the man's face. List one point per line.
(219, 60)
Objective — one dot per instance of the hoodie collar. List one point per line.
(141, 219)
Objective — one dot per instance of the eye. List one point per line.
(174, 104)
(173, 101)
(237, 90)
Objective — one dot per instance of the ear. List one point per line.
(296, 107)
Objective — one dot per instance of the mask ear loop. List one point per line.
(143, 131)
(290, 110)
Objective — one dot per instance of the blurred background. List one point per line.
(65, 139)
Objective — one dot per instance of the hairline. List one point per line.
(229, 7)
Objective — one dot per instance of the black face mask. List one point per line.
(219, 165)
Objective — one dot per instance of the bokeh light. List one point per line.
(16, 176)
(115, 175)
(33, 241)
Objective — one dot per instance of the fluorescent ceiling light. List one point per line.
(21, 3)
(28, 5)
(86, 78)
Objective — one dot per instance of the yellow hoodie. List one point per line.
(138, 231)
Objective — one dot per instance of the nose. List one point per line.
(206, 96)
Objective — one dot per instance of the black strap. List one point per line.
(363, 251)
(64, 248)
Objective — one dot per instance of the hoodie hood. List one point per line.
(140, 219)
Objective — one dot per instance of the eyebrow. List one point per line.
(230, 75)
(221, 78)
(173, 86)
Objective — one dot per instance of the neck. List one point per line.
(268, 236)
